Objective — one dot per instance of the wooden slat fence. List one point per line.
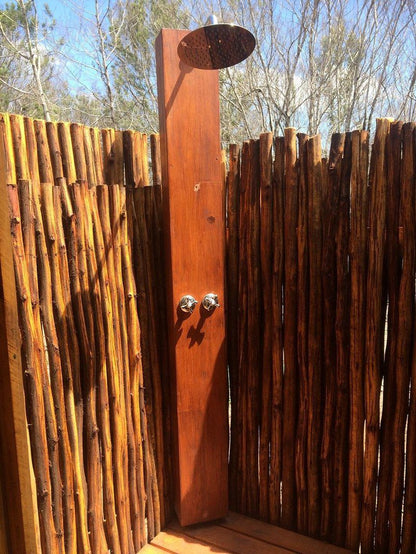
(85, 224)
(321, 263)
(321, 335)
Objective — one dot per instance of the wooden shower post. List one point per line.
(195, 246)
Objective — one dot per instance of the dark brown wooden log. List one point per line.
(144, 159)
(132, 157)
(266, 261)
(155, 159)
(374, 330)
(393, 272)
(302, 341)
(290, 331)
(152, 296)
(315, 336)
(276, 428)
(254, 331)
(232, 187)
(409, 516)
(242, 327)
(404, 333)
(358, 270)
(342, 339)
(107, 155)
(158, 252)
(331, 185)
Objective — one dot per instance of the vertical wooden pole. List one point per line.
(20, 507)
(194, 230)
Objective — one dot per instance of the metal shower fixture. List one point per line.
(216, 46)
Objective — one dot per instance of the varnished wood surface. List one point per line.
(194, 232)
(236, 534)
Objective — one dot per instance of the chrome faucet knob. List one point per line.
(210, 302)
(187, 304)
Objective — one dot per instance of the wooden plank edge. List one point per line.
(217, 535)
(180, 542)
(151, 548)
(278, 536)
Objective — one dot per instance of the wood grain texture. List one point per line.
(358, 255)
(237, 534)
(330, 216)
(290, 394)
(278, 536)
(242, 343)
(20, 523)
(342, 309)
(374, 329)
(394, 151)
(233, 180)
(254, 331)
(315, 336)
(194, 218)
(266, 258)
(302, 341)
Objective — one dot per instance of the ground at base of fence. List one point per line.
(235, 534)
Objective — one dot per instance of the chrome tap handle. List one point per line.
(187, 304)
(210, 302)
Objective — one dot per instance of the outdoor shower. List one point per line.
(193, 203)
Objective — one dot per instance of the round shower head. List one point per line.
(216, 46)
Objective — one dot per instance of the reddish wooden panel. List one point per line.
(194, 225)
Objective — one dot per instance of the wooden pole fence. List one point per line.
(320, 316)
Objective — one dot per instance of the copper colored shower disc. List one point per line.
(216, 46)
